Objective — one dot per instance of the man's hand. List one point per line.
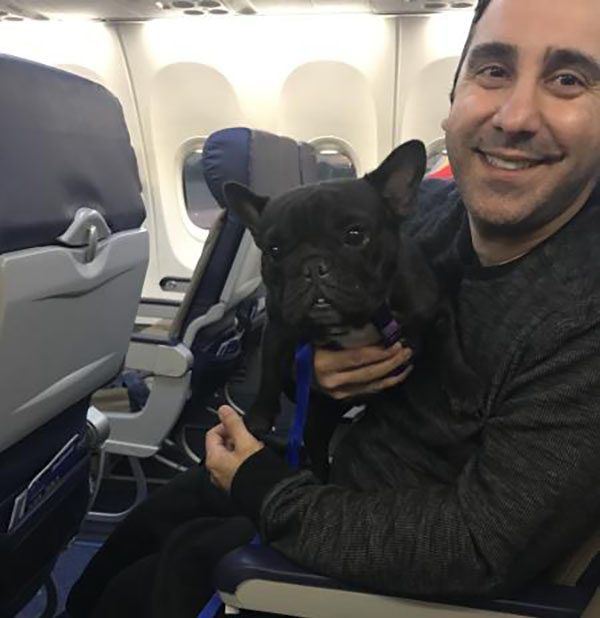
(228, 445)
(347, 373)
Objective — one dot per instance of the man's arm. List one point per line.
(521, 501)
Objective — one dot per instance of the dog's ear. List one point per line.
(247, 205)
(397, 179)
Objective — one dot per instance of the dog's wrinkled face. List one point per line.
(330, 251)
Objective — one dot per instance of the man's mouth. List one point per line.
(514, 163)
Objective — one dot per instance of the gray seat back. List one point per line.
(72, 254)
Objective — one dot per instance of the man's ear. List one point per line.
(398, 178)
(247, 205)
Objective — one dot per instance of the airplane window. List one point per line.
(334, 162)
(436, 155)
(201, 206)
(438, 164)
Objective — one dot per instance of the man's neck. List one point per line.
(497, 250)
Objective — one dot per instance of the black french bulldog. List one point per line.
(334, 254)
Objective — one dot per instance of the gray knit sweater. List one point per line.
(425, 500)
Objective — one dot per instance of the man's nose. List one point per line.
(520, 111)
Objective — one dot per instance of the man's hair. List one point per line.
(480, 9)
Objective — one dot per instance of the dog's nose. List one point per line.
(317, 269)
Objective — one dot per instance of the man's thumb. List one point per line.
(232, 421)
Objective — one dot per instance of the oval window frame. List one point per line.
(187, 149)
(341, 147)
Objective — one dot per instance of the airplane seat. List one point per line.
(260, 579)
(224, 300)
(72, 264)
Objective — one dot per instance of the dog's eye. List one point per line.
(355, 237)
(274, 251)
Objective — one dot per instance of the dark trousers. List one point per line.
(158, 563)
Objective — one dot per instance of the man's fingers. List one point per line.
(328, 361)
(215, 444)
(367, 374)
(353, 390)
(216, 436)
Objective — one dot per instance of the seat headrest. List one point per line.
(266, 163)
(64, 146)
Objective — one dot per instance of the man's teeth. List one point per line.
(504, 164)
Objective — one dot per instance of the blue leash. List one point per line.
(304, 364)
(304, 361)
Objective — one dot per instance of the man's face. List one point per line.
(523, 134)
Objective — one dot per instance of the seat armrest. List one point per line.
(243, 567)
(152, 339)
(263, 562)
(159, 357)
(97, 428)
(158, 308)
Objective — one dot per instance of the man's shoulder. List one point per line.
(571, 255)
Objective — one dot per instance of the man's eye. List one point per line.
(567, 85)
(492, 73)
(569, 80)
(355, 237)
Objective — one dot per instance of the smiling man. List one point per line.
(524, 129)
(425, 498)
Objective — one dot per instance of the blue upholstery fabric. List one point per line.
(64, 146)
(28, 552)
(226, 157)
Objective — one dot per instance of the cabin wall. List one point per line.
(430, 49)
(368, 81)
(306, 77)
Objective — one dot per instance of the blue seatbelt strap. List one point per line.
(304, 363)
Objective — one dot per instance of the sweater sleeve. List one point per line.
(526, 496)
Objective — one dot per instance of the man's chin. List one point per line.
(502, 222)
